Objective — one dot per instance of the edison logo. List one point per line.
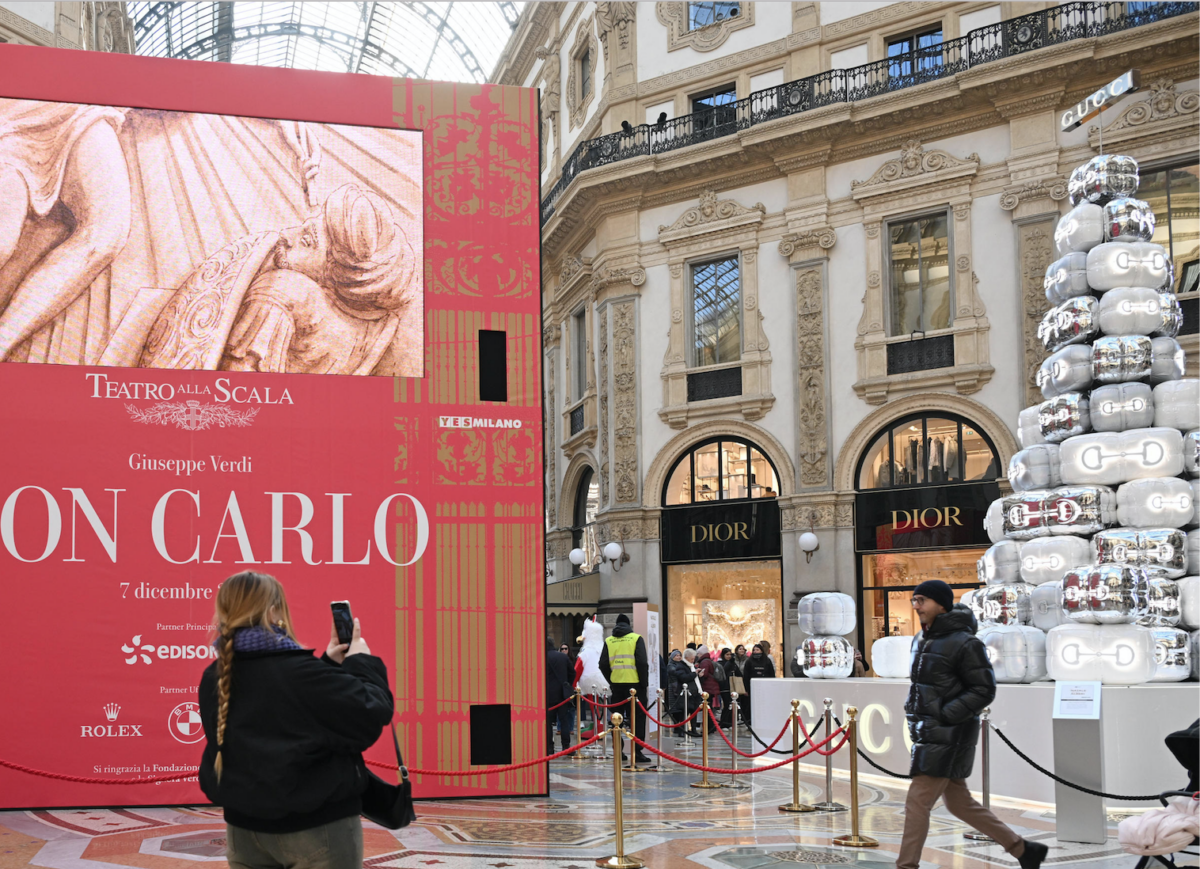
(148, 651)
(132, 651)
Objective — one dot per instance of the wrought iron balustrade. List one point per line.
(1077, 20)
(719, 383)
(923, 354)
(576, 420)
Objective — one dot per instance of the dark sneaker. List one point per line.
(1033, 855)
(643, 760)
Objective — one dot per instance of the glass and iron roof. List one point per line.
(453, 41)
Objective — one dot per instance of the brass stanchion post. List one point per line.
(658, 767)
(634, 748)
(987, 776)
(733, 756)
(796, 806)
(704, 782)
(829, 805)
(854, 840)
(578, 755)
(619, 860)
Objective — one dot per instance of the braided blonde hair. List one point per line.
(244, 600)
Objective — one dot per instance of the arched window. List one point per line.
(927, 450)
(721, 469)
(583, 531)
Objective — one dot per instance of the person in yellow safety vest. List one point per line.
(625, 664)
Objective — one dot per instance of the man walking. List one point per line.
(952, 682)
(625, 664)
(559, 686)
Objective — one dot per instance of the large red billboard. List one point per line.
(240, 318)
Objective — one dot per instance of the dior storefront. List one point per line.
(923, 486)
(721, 547)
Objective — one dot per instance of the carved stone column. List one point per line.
(1035, 212)
(626, 480)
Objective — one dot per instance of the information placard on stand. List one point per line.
(1079, 758)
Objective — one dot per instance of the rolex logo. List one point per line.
(111, 711)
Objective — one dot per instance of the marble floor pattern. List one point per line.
(668, 824)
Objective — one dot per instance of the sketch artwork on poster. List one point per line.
(156, 239)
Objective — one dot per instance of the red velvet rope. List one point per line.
(564, 703)
(597, 705)
(97, 781)
(751, 769)
(738, 750)
(489, 770)
(646, 712)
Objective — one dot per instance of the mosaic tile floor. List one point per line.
(667, 823)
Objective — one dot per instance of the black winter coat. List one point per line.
(560, 677)
(294, 737)
(952, 682)
(757, 668)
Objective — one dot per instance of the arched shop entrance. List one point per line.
(720, 533)
(923, 486)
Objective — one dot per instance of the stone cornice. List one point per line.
(914, 167)
(532, 37)
(710, 215)
(1052, 188)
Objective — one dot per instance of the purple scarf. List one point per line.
(260, 639)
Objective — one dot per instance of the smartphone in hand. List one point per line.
(343, 621)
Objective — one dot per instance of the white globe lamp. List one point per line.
(577, 557)
(809, 544)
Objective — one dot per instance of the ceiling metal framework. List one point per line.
(452, 41)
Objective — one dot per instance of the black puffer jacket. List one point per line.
(952, 682)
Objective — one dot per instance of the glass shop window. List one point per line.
(920, 291)
(917, 51)
(1174, 196)
(721, 470)
(579, 353)
(704, 14)
(928, 450)
(583, 534)
(585, 73)
(714, 109)
(717, 312)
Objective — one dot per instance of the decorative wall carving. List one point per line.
(674, 16)
(607, 277)
(1163, 104)
(625, 406)
(1035, 252)
(615, 21)
(813, 440)
(577, 100)
(605, 424)
(914, 161)
(711, 215)
(820, 239)
(1051, 188)
(550, 443)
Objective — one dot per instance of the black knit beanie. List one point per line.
(938, 592)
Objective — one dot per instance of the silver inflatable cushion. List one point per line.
(993, 521)
(1189, 602)
(1191, 452)
(1080, 510)
(1163, 599)
(1116, 359)
(1194, 645)
(1127, 264)
(1177, 404)
(1070, 370)
(1029, 432)
(1172, 316)
(1046, 559)
(827, 657)
(1121, 406)
(1066, 278)
(1035, 467)
(1017, 653)
(1000, 564)
(1046, 602)
(1193, 556)
(1195, 520)
(1155, 502)
(969, 600)
(1072, 322)
(1106, 594)
(1064, 416)
(1172, 655)
(1162, 549)
(1130, 311)
(1111, 458)
(1128, 219)
(1080, 229)
(1005, 604)
(1109, 176)
(1166, 360)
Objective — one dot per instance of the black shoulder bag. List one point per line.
(389, 805)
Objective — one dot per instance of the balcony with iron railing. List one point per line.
(994, 42)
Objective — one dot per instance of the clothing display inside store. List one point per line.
(724, 604)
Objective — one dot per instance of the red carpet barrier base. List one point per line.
(241, 325)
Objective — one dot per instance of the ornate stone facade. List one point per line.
(674, 16)
(625, 477)
(813, 449)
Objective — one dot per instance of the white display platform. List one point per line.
(1135, 720)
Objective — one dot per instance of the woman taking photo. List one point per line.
(285, 733)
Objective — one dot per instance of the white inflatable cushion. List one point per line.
(1166, 360)
(1177, 404)
(1121, 406)
(1111, 654)
(1029, 432)
(1127, 264)
(1155, 502)
(1069, 370)
(1017, 652)
(1066, 278)
(1046, 602)
(1080, 229)
(1189, 602)
(1130, 311)
(1035, 467)
(891, 657)
(1112, 458)
(1046, 559)
(1000, 564)
(826, 613)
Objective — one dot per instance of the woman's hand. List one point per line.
(338, 652)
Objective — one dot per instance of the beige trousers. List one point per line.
(923, 793)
